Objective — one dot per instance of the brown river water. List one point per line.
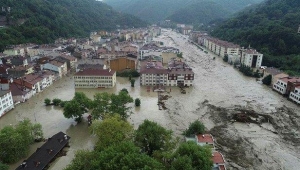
(216, 82)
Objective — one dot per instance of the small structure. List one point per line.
(205, 139)
(218, 161)
(46, 153)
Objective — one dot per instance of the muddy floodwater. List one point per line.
(218, 91)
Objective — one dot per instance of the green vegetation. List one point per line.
(137, 102)
(248, 71)
(151, 146)
(267, 80)
(3, 166)
(39, 21)
(47, 102)
(15, 140)
(225, 58)
(194, 128)
(56, 102)
(132, 81)
(180, 55)
(128, 73)
(271, 28)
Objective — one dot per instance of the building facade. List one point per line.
(95, 78)
(295, 95)
(6, 103)
(251, 58)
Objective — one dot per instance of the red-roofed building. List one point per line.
(284, 85)
(95, 78)
(205, 139)
(218, 161)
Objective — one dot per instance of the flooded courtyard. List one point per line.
(219, 91)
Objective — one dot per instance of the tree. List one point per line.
(132, 81)
(267, 80)
(195, 128)
(101, 105)
(124, 155)
(195, 156)
(56, 102)
(183, 162)
(225, 58)
(151, 137)
(137, 102)
(15, 141)
(111, 131)
(118, 104)
(3, 166)
(47, 101)
(77, 106)
(125, 90)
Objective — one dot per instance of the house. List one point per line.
(205, 139)
(20, 93)
(295, 94)
(218, 161)
(276, 73)
(95, 78)
(251, 58)
(19, 71)
(283, 85)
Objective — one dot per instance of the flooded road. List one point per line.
(218, 87)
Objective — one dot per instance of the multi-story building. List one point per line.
(252, 58)
(153, 73)
(15, 51)
(295, 94)
(123, 63)
(6, 102)
(95, 78)
(284, 85)
(56, 66)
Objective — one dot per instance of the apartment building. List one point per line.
(284, 85)
(251, 58)
(95, 78)
(6, 102)
(295, 94)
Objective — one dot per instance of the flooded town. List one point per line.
(253, 126)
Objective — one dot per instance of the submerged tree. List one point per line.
(267, 80)
(194, 128)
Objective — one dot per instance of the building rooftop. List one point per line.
(251, 51)
(205, 138)
(95, 72)
(217, 158)
(3, 92)
(46, 153)
(273, 71)
(290, 79)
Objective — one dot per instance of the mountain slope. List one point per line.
(272, 29)
(41, 21)
(157, 10)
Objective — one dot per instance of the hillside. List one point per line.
(272, 29)
(42, 21)
(157, 10)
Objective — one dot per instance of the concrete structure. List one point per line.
(95, 78)
(205, 139)
(123, 63)
(167, 57)
(153, 73)
(15, 51)
(281, 86)
(58, 67)
(6, 102)
(295, 94)
(251, 58)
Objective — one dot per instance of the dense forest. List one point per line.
(42, 21)
(271, 28)
(179, 10)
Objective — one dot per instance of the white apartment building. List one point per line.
(58, 67)
(281, 85)
(295, 95)
(220, 47)
(6, 102)
(95, 78)
(251, 58)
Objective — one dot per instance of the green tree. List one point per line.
(132, 81)
(125, 90)
(195, 128)
(56, 102)
(3, 166)
(225, 58)
(77, 106)
(119, 102)
(200, 157)
(15, 141)
(182, 162)
(111, 131)
(101, 105)
(47, 101)
(137, 102)
(151, 137)
(267, 80)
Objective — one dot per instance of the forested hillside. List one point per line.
(157, 10)
(272, 29)
(42, 21)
